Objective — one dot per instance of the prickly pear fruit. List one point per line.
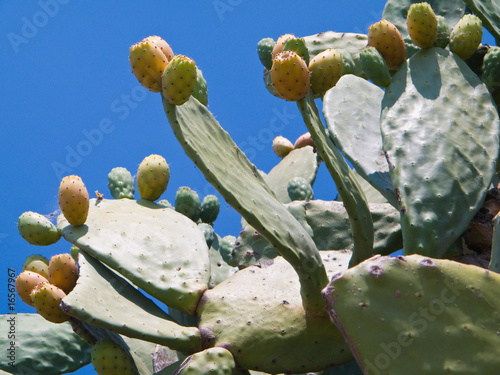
(37, 229)
(422, 25)
(187, 202)
(282, 146)
(278, 46)
(153, 175)
(443, 33)
(109, 358)
(226, 246)
(349, 63)
(148, 61)
(491, 69)
(165, 203)
(74, 252)
(210, 208)
(297, 45)
(466, 36)
(304, 140)
(179, 80)
(46, 299)
(200, 89)
(326, 69)
(74, 200)
(121, 183)
(63, 272)
(37, 263)
(265, 51)
(387, 39)
(374, 67)
(215, 360)
(208, 232)
(299, 189)
(290, 76)
(26, 282)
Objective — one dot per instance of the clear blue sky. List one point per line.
(64, 71)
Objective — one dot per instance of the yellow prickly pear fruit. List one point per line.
(466, 36)
(179, 80)
(37, 263)
(26, 282)
(422, 25)
(278, 46)
(108, 358)
(46, 299)
(74, 200)
(63, 272)
(148, 60)
(153, 175)
(387, 39)
(290, 76)
(326, 69)
(282, 146)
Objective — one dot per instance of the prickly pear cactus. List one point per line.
(36, 229)
(121, 183)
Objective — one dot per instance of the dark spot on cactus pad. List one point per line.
(427, 262)
(376, 270)
(363, 305)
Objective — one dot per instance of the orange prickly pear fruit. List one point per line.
(387, 39)
(46, 299)
(74, 200)
(179, 80)
(282, 146)
(422, 25)
(326, 69)
(63, 272)
(26, 282)
(290, 76)
(148, 60)
(278, 46)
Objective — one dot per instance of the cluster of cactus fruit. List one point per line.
(309, 285)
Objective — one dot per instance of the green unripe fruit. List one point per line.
(165, 203)
(265, 51)
(278, 46)
(63, 272)
(297, 45)
(179, 80)
(37, 229)
(349, 63)
(148, 60)
(46, 299)
(37, 263)
(299, 189)
(226, 246)
(153, 175)
(443, 33)
(210, 208)
(208, 232)
(491, 69)
(422, 25)
(74, 200)
(109, 358)
(282, 146)
(26, 282)
(387, 39)
(200, 89)
(187, 202)
(466, 36)
(290, 76)
(326, 69)
(74, 252)
(121, 183)
(374, 67)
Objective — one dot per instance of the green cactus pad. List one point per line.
(265, 49)
(495, 246)
(156, 248)
(224, 166)
(104, 299)
(121, 183)
(393, 311)
(226, 246)
(257, 314)
(489, 12)
(328, 224)
(301, 162)
(40, 347)
(37, 230)
(200, 89)
(208, 233)
(352, 114)
(395, 11)
(218, 361)
(441, 141)
(343, 42)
